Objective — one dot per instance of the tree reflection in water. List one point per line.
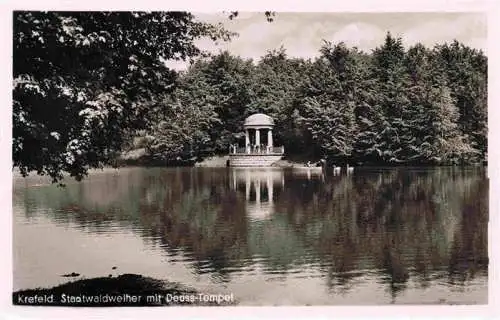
(403, 224)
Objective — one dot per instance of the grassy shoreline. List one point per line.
(133, 289)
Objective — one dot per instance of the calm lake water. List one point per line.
(269, 236)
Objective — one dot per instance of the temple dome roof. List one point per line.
(259, 119)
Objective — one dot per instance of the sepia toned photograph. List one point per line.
(167, 158)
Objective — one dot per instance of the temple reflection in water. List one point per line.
(259, 186)
(399, 235)
(262, 187)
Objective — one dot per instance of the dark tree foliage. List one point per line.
(393, 106)
(467, 73)
(434, 116)
(391, 81)
(276, 83)
(84, 80)
(269, 15)
(228, 82)
(328, 102)
(86, 84)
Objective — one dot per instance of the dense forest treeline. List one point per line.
(89, 85)
(393, 106)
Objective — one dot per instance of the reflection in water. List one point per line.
(392, 233)
(258, 185)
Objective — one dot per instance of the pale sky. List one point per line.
(301, 33)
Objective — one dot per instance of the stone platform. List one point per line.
(253, 160)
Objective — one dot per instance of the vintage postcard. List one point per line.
(249, 158)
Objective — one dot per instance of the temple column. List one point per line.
(270, 138)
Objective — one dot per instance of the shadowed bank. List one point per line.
(124, 290)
